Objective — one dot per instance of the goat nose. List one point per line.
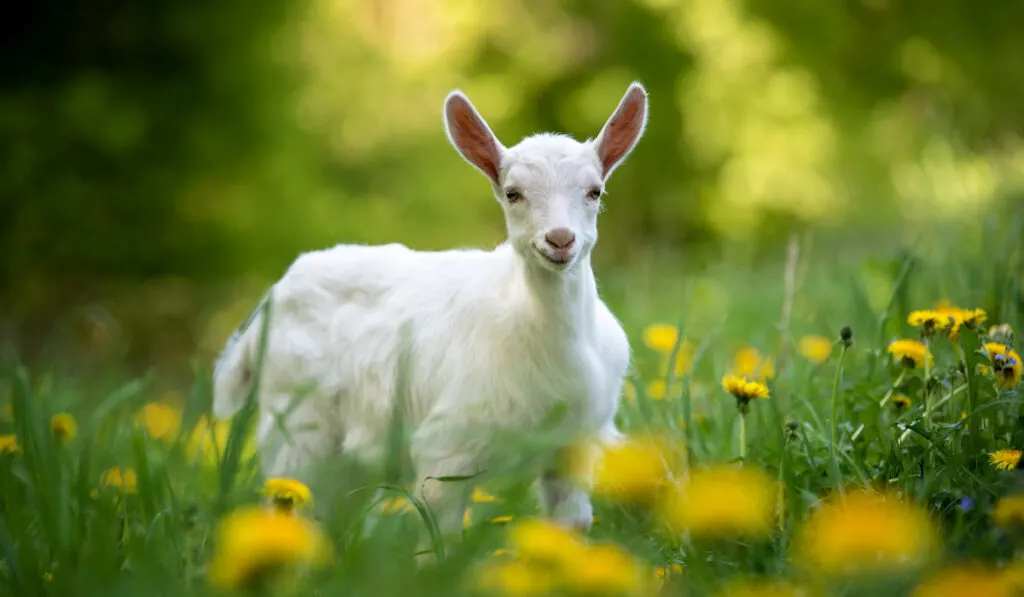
(560, 238)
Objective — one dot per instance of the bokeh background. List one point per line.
(163, 162)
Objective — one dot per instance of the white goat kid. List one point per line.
(495, 339)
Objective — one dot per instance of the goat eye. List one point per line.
(513, 195)
(594, 194)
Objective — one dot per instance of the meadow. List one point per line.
(841, 419)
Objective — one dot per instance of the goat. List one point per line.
(495, 339)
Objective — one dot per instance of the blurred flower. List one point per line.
(514, 578)
(966, 504)
(629, 391)
(634, 469)
(501, 519)
(865, 531)
(846, 336)
(930, 320)
(910, 353)
(63, 427)
(546, 542)
(253, 545)
(606, 569)
(661, 337)
(210, 441)
(900, 401)
(762, 588)
(815, 349)
(482, 497)
(47, 577)
(722, 501)
(8, 444)
(1004, 460)
(160, 420)
(124, 480)
(1006, 364)
(956, 316)
(395, 505)
(662, 573)
(1009, 512)
(287, 494)
(749, 362)
(966, 579)
(655, 389)
(1002, 333)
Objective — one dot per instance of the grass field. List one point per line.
(846, 465)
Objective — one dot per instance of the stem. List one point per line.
(743, 437)
(924, 387)
(892, 388)
(836, 474)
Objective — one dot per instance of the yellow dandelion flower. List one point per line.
(63, 427)
(744, 389)
(8, 444)
(749, 362)
(930, 319)
(684, 360)
(209, 441)
(866, 531)
(1009, 512)
(396, 505)
(1004, 460)
(722, 501)
(665, 572)
(762, 588)
(514, 578)
(635, 468)
(287, 494)
(501, 519)
(161, 421)
(956, 316)
(900, 401)
(482, 497)
(252, 544)
(544, 541)
(966, 579)
(910, 353)
(1006, 364)
(661, 337)
(606, 569)
(124, 480)
(816, 349)
(655, 389)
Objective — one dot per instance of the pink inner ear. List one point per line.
(622, 130)
(473, 138)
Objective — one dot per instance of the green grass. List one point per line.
(59, 538)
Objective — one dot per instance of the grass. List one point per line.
(828, 428)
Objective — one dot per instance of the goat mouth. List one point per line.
(559, 261)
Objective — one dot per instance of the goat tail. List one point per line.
(235, 368)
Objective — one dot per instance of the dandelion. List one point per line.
(501, 519)
(744, 390)
(1004, 460)
(662, 573)
(8, 444)
(124, 480)
(1009, 512)
(543, 541)
(655, 389)
(900, 401)
(722, 501)
(956, 316)
(661, 337)
(482, 497)
(930, 320)
(633, 469)
(160, 420)
(967, 579)
(910, 353)
(749, 362)
(865, 531)
(1006, 364)
(815, 349)
(63, 427)
(287, 494)
(763, 588)
(514, 578)
(606, 569)
(253, 545)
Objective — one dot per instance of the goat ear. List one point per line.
(469, 133)
(622, 131)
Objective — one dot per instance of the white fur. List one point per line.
(495, 339)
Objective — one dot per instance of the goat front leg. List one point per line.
(565, 488)
(436, 454)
